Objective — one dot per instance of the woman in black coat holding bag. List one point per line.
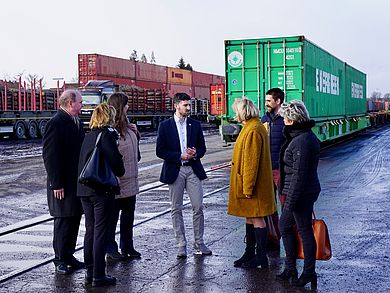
(98, 202)
(299, 182)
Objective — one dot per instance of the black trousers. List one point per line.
(97, 211)
(127, 206)
(65, 234)
(302, 216)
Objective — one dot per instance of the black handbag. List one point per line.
(96, 172)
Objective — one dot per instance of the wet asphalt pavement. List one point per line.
(354, 203)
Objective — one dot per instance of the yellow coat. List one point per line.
(251, 173)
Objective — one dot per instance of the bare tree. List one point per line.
(143, 59)
(134, 56)
(375, 95)
(152, 58)
(386, 97)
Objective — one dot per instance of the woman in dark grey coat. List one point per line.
(98, 203)
(299, 182)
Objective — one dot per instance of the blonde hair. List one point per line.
(102, 116)
(294, 111)
(245, 109)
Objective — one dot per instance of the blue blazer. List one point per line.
(168, 149)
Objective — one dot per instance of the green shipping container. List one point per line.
(333, 92)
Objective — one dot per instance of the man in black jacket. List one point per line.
(180, 143)
(274, 123)
(62, 141)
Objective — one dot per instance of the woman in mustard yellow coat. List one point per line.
(251, 193)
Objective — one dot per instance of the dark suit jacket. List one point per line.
(168, 149)
(61, 149)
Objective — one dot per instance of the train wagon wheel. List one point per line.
(32, 129)
(42, 127)
(20, 130)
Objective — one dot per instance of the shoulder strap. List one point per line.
(98, 138)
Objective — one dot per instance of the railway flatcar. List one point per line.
(333, 91)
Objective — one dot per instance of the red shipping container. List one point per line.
(201, 92)
(177, 88)
(150, 84)
(201, 79)
(217, 100)
(117, 80)
(218, 79)
(151, 72)
(91, 64)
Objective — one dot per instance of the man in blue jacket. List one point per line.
(180, 143)
(274, 98)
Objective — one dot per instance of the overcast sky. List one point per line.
(43, 37)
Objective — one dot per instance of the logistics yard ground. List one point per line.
(354, 203)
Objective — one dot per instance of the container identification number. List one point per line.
(327, 83)
(356, 90)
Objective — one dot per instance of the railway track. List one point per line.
(27, 245)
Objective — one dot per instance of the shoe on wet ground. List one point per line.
(202, 249)
(182, 252)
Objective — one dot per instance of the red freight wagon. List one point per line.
(100, 65)
(150, 84)
(217, 98)
(151, 72)
(83, 80)
(201, 79)
(217, 79)
(201, 92)
(177, 88)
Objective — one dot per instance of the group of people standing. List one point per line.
(278, 154)
(66, 150)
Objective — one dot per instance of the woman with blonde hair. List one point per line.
(128, 183)
(299, 158)
(251, 193)
(98, 202)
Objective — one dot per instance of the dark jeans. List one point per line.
(65, 234)
(302, 216)
(97, 211)
(127, 206)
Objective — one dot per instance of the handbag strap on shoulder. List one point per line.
(314, 216)
(98, 138)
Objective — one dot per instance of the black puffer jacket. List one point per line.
(109, 149)
(275, 136)
(299, 158)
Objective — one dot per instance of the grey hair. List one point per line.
(294, 111)
(245, 109)
(68, 95)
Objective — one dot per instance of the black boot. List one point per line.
(261, 258)
(306, 278)
(250, 246)
(288, 275)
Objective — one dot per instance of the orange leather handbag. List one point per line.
(324, 250)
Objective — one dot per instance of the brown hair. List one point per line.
(119, 101)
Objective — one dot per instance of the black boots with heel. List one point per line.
(250, 246)
(260, 259)
(288, 275)
(306, 278)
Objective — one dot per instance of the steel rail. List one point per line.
(143, 189)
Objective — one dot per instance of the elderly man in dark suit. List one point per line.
(62, 141)
(180, 143)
